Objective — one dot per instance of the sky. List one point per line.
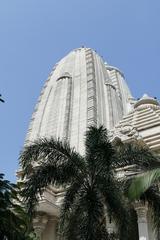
(35, 34)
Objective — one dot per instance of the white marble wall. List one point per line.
(76, 96)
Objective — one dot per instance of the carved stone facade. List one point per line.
(142, 210)
(143, 122)
(83, 90)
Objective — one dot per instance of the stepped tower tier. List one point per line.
(81, 90)
(142, 122)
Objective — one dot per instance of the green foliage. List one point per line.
(14, 222)
(144, 185)
(146, 188)
(136, 154)
(152, 196)
(92, 188)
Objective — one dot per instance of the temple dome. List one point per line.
(146, 101)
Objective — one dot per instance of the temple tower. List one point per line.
(81, 90)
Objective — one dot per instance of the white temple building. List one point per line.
(83, 90)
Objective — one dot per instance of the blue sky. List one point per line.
(35, 34)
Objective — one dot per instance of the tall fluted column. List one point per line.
(141, 210)
(39, 224)
(51, 231)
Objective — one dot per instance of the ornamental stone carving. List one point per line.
(142, 210)
(124, 132)
(39, 223)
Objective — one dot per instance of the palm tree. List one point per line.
(142, 186)
(92, 187)
(145, 187)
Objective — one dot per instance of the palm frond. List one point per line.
(90, 212)
(43, 176)
(140, 184)
(45, 150)
(119, 211)
(98, 150)
(135, 153)
(14, 220)
(58, 165)
(70, 198)
(152, 195)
